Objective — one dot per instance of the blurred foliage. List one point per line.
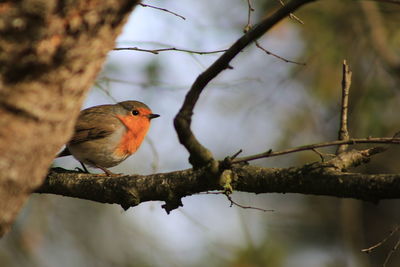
(269, 253)
(334, 31)
(337, 30)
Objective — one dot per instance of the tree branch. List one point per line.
(291, 15)
(324, 178)
(354, 141)
(380, 243)
(199, 155)
(157, 51)
(277, 56)
(163, 9)
(343, 131)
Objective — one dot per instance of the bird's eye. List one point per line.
(135, 112)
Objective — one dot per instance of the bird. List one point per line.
(106, 135)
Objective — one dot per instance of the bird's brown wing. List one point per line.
(94, 123)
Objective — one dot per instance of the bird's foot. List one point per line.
(108, 172)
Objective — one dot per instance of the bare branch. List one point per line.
(199, 155)
(249, 26)
(354, 141)
(277, 56)
(249, 10)
(236, 154)
(354, 158)
(157, 51)
(234, 203)
(343, 131)
(370, 249)
(291, 15)
(396, 246)
(322, 155)
(316, 179)
(163, 9)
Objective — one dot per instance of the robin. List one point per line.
(106, 135)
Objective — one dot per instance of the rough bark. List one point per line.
(50, 53)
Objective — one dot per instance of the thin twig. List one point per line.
(354, 141)
(157, 51)
(392, 232)
(370, 249)
(243, 207)
(391, 252)
(291, 15)
(249, 10)
(227, 162)
(236, 154)
(343, 130)
(232, 201)
(319, 154)
(163, 9)
(277, 56)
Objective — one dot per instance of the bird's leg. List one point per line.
(84, 169)
(106, 171)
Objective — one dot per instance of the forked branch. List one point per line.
(354, 141)
(199, 155)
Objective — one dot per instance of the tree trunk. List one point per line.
(50, 54)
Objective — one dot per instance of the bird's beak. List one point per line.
(153, 116)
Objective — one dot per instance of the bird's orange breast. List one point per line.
(137, 128)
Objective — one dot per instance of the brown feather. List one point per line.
(94, 123)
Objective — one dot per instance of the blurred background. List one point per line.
(262, 103)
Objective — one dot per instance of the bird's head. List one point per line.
(134, 115)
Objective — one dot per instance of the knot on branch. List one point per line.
(225, 180)
(200, 160)
(130, 198)
(173, 202)
(228, 161)
(315, 167)
(354, 158)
